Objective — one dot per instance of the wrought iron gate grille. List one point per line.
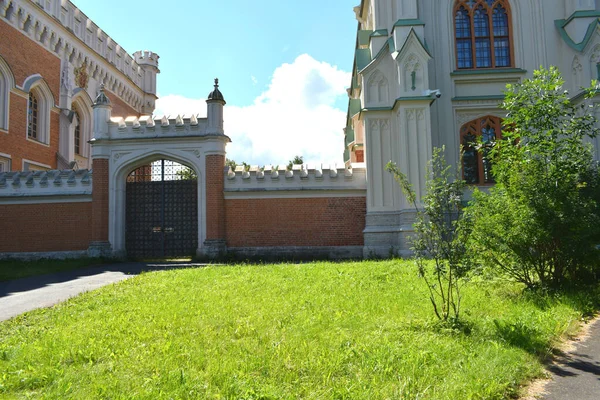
(161, 211)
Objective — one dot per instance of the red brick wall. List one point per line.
(45, 227)
(100, 201)
(332, 221)
(119, 107)
(27, 58)
(215, 201)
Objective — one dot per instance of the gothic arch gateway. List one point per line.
(121, 146)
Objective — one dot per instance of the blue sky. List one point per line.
(283, 67)
(232, 39)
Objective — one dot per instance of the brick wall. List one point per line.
(215, 201)
(332, 221)
(27, 58)
(45, 227)
(119, 107)
(100, 201)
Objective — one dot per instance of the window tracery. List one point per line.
(482, 34)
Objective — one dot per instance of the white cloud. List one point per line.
(294, 116)
(254, 80)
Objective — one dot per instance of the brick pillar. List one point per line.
(215, 244)
(100, 246)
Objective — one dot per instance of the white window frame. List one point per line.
(5, 162)
(39, 87)
(7, 82)
(28, 164)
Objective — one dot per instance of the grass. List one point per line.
(15, 269)
(359, 330)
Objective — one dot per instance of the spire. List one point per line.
(101, 99)
(216, 94)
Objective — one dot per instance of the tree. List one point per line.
(230, 163)
(441, 234)
(541, 223)
(297, 160)
(186, 173)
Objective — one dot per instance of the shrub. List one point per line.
(541, 221)
(441, 234)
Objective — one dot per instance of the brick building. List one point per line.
(53, 59)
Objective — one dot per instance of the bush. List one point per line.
(541, 222)
(441, 234)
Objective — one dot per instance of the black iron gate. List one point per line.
(161, 211)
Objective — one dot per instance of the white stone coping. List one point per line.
(299, 178)
(43, 184)
(134, 127)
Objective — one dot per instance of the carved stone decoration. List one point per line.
(410, 114)
(65, 79)
(576, 66)
(81, 76)
(195, 152)
(377, 88)
(412, 73)
(117, 156)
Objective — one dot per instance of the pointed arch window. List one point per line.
(77, 131)
(476, 165)
(33, 115)
(483, 34)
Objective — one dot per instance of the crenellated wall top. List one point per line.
(149, 127)
(300, 177)
(63, 29)
(45, 183)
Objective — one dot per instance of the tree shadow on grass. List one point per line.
(520, 335)
(135, 268)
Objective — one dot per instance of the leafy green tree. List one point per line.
(186, 173)
(230, 163)
(297, 160)
(541, 222)
(441, 234)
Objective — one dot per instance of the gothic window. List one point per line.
(33, 115)
(482, 34)
(6, 84)
(39, 105)
(477, 138)
(77, 131)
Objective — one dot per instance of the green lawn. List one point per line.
(359, 330)
(15, 269)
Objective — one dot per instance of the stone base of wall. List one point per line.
(296, 253)
(387, 234)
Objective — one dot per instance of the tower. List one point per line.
(215, 103)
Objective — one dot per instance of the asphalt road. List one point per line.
(576, 374)
(22, 295)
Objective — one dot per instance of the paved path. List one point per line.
(22, 295)
(576, 374)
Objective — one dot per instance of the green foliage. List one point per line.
(186, 173)
(230, 163)
(308, 331)
(297, 160)
(441, 234)
(541, 221)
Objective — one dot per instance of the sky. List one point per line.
(283, 67)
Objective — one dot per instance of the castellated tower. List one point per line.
(148, 62)
(215, 104)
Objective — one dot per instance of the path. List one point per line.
(22, 295)
(576, 374)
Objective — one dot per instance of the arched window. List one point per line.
(6, 84)
(39, 105)
(77, 131)
(33, 117)
(476, 166)
(483, 34)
